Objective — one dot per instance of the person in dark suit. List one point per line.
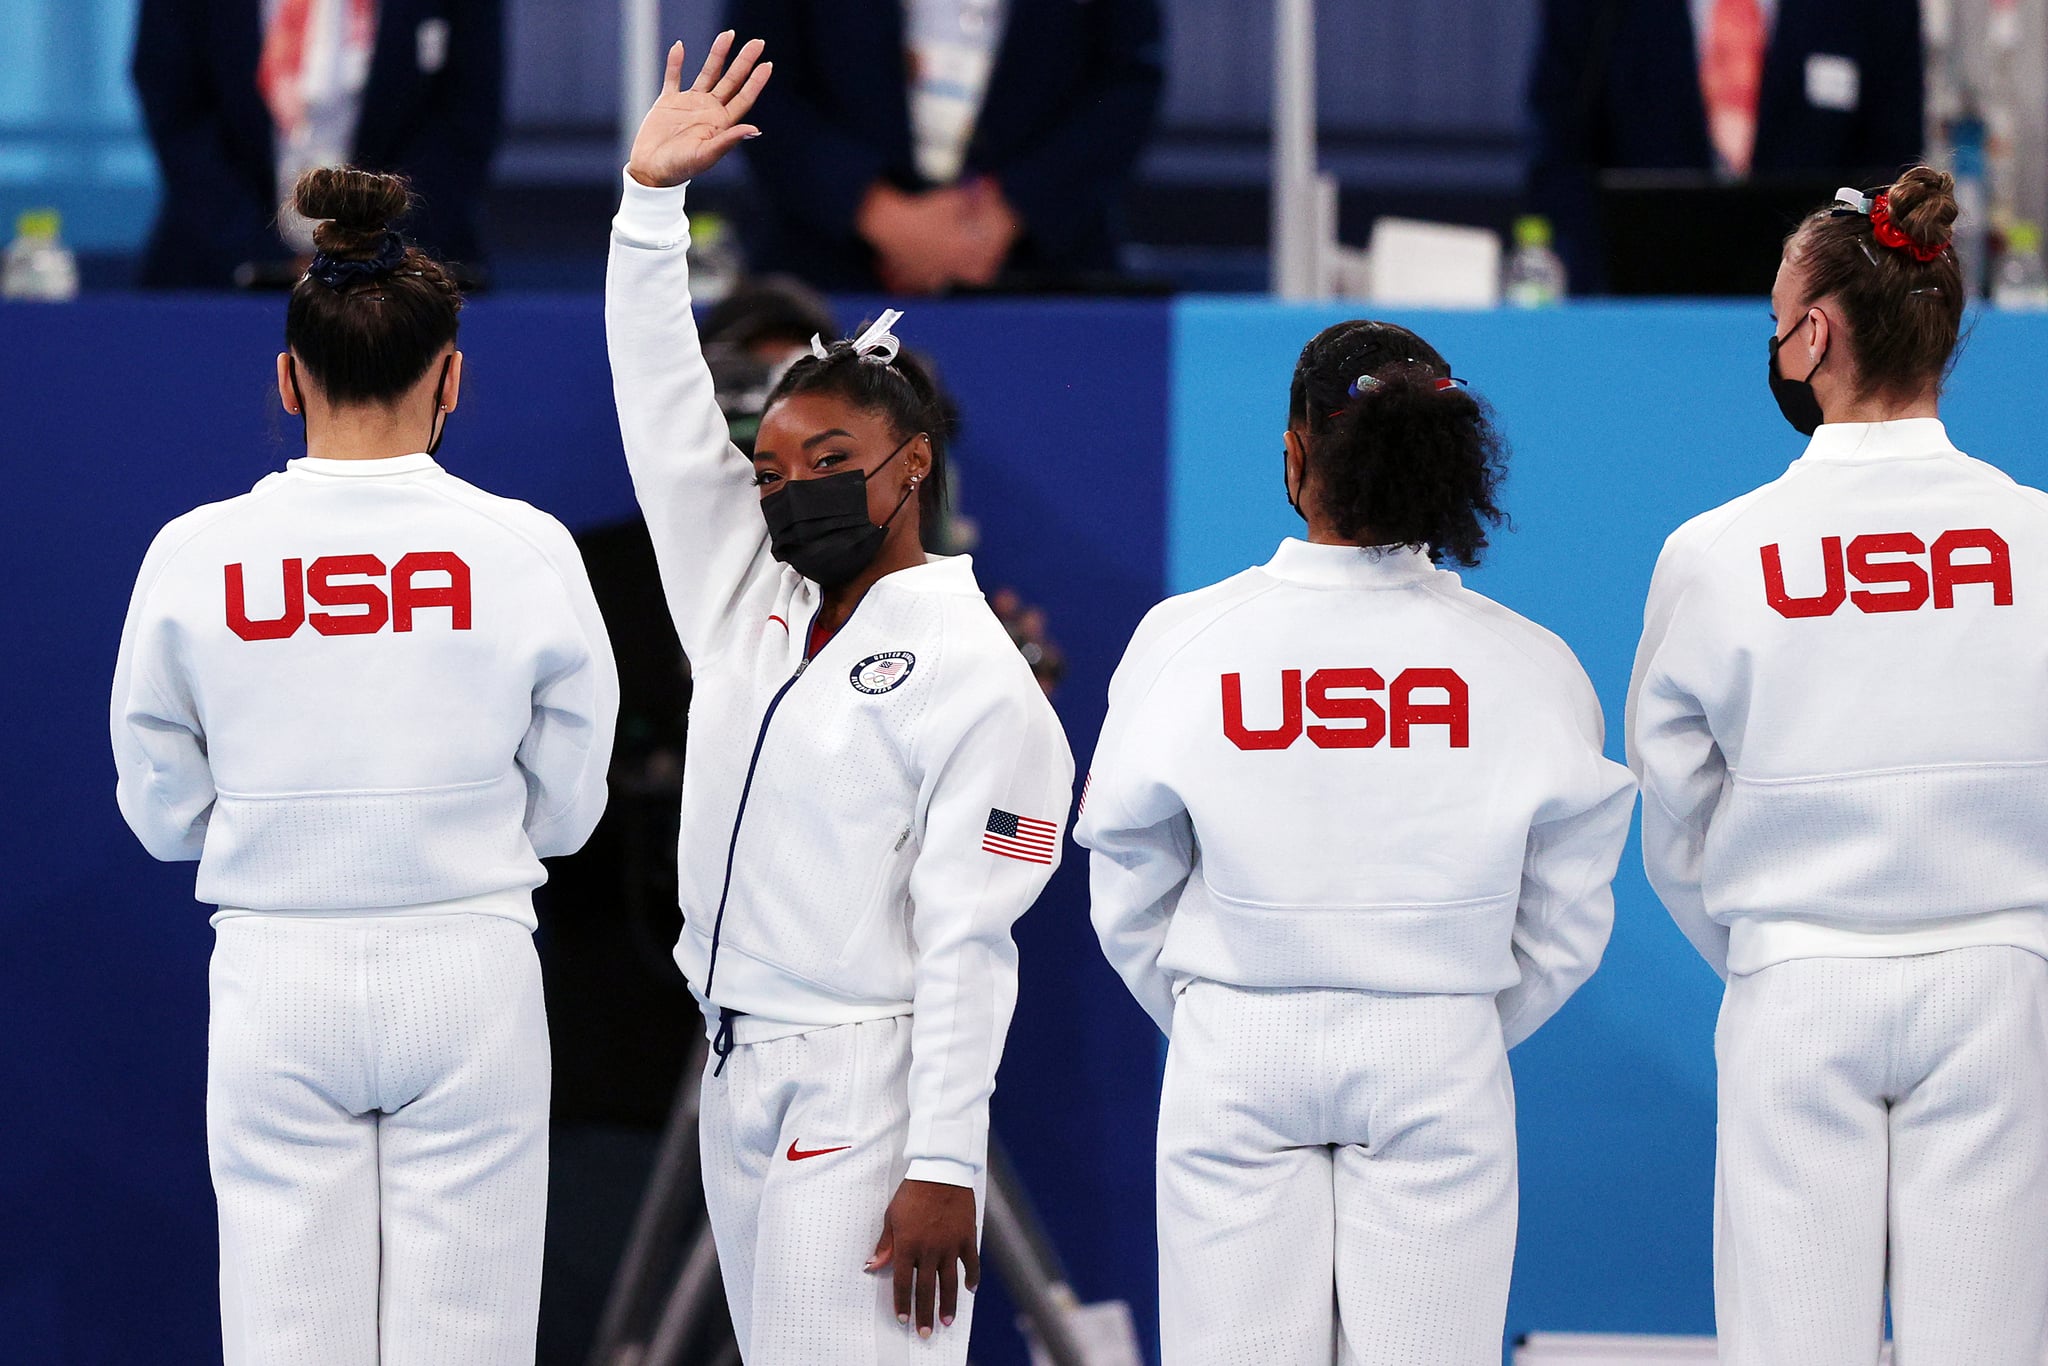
(430, 108)
(1748, 89)
(883, 168)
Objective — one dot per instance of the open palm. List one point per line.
(687, 131)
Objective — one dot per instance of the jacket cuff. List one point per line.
(651, 217)
(946, 1171)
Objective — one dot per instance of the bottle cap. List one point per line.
(1532, 230)
(2023, 236)
(39, 223)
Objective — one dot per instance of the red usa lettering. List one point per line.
(1892, 584)
(345, 581)
(1338, 695)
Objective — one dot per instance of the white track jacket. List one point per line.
(1344, 769)
(861, 829)
(1840, 708)
(364, 686)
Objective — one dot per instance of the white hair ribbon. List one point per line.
(878, 342)
(818, 348)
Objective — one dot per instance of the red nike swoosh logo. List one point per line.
(796, 1156)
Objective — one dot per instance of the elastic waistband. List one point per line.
(511, 903)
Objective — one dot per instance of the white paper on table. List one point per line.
(1434, 265)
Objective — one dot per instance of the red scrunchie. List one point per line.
(1888, 234)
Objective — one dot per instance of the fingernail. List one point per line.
(750, 137)
(946, 1319)
(924, 1332)
(903, 1318)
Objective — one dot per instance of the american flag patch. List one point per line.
(1019, 837)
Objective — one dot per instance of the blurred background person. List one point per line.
(934, 143)
(242, 96)
(1734, 92)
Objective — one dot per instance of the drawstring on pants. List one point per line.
(722, 1041)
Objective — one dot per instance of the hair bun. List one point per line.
(1923, 206)
(352, 209)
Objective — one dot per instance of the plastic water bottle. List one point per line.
(1535, 274)
(38, 264)
(2022, 279)
(716, 265)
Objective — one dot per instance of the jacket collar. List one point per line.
(363, 469)
(1906, 439)
(1349, 566)
(938, 574)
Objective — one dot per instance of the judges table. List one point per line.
(1112, 452)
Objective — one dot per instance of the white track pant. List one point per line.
(794, 1230)
(1337, 1179)
(376, 1119)
(1883, 1111)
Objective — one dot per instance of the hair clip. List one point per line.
(1849, 200)
(1362, 384)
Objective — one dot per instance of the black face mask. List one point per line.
(1795, 396)
(821, 528)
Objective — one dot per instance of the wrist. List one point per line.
(879, 209)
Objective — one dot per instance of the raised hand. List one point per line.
(687, 131)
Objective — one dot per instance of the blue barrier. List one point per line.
(1097, 486)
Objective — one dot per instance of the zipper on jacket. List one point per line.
(723, 1044)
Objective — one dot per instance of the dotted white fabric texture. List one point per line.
(1337, 1179)
(376, 1116)
(1884, 1110)
(793, 1235)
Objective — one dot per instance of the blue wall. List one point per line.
(1098, 486)
(1625, 420)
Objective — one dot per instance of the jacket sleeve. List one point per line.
(183, 113)
(164, 784)
(447, 149)
(990, 745)
(1565, 98)
(1056, 184)
(1890, 131)
(1141, 845)
(1679, 764)
(1566, 911)
(567, 751)
(813, 167)
(696, 489)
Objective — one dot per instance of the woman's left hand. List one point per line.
(687, 131)
(927, 1234)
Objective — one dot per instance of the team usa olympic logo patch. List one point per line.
(884, 672)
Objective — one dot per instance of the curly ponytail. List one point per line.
(1396, 456)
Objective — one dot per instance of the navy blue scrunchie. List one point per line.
(336, 274)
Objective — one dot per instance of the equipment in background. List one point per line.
(667, 1305)
(1688, 233)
